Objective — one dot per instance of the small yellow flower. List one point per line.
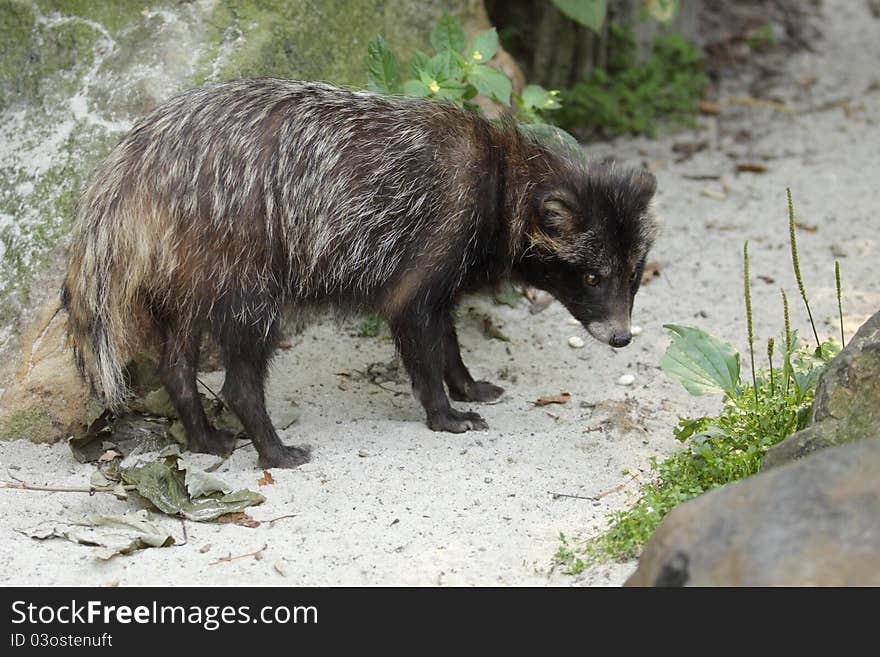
(554, 92)
(477, 56)
(434, 87)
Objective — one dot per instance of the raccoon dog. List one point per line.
(234, 201)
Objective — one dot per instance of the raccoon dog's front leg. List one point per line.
(462, 386)
(420, 339)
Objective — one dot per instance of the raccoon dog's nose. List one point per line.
(620, 338)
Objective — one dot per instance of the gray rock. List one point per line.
(847, 403)
(815, 522)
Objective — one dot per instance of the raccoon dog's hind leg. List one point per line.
(462, 386)
(177, 370)
(420, 340)
(246, 354)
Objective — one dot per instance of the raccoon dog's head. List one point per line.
(590, 231)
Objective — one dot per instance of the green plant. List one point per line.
(565, 557)
(591, 13)
(371, 326)
(732, 444)
(455, 73)
(632, 96)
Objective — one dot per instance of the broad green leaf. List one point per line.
(452, 90)
(165, 485)
(483, 47)
(110, 534)
(662, 11)
(383, 73)
(552, 137)
(700, 362)
(491, 83)
(586, 12)
(446, 65)
(448, 34)
(535, 96)
(417, 63)
(416, 88)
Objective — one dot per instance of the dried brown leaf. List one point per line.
(267, 479)
(561, 398)
(707, 107)
(239, 518)
(751, 167)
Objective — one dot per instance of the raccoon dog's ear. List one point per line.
(556, 212)
(644, 186)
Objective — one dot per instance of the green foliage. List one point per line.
(565, 557)
(630, 96)
(456, 72)
(731, 445)
(662, 11)
(586, 12)
(719, 450)
(383, 72)
(371, 326)
(701, 362)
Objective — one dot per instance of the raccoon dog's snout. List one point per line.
(620, 338)
(616, 335)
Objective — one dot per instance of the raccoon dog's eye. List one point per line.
(592, 279)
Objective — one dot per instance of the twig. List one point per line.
(185, 537)
(240, 556)
(213, 394)
(274, 520)
(576, 497)
(765, 104)
(20, 485)
(617, 488)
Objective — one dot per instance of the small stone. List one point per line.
(576, 342)
(626, 380)
(363, 453)
(205, 548)
(636, 330)
(571, 321)
(280, 568)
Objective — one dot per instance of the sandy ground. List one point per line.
(387, 501)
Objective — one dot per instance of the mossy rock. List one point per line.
(31, 424)
(75, 74)
(847, 402)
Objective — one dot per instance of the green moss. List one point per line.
(16, 28)
(32, 52)
(30, 424)
(322, 41)
(112, 14)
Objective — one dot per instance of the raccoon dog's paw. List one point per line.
(284, 457)
(216, 441)
(457, 422)
(478, 391)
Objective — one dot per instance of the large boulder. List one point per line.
(75, 75)
(814, 522)
(847, 402)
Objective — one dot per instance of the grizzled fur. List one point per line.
(232, 202)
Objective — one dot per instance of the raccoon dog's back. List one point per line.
(235, 199)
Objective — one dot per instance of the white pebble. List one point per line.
(571, 321)
(636, 330)
(626, 380)
(575, 342)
